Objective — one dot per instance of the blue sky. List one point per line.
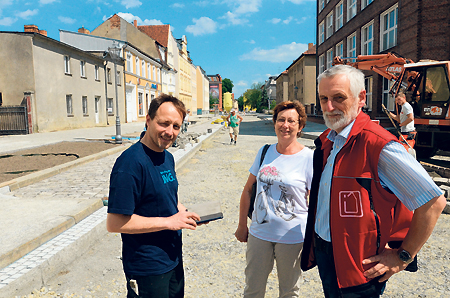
(243, 40)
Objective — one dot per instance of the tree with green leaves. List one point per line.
(241, 103)
(253, 96)
(227, 86)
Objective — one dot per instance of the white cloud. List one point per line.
(288, 20)
(274, 21)
(130, 3)
(234, 19)
(27, 14)
(150, 22)
(249, 41)
(66, 20)
(202, 26)
(7, 21)
(283, 53)
(177, 5)
(43, 2)
(302, 20)
(130, 19)
(242, 83)
(244, 6)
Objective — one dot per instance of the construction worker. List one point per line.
(405, 119)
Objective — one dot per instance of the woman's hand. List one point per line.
(241, 233)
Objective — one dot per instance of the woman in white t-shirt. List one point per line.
(281, 207)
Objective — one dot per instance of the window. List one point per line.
(82, 69)
(330, 58)
(143, 68)
(351, 45)
(118, 78)
(141, 104)
(85, 105)
(96, 73)
(368, 84)
(388, 99)
(97, 101)
(339, 15)
(329, 24)
(351, 9)
(69, 105)
(321, 32)
(129, 67)
(321, 5)
(154, 73)
(367, 39)
(364, 3)
(321, 64)
(340, 49)
(67, 64)
(108, 75)
(388, 26)
(158, 76)
(137, 65)
(109, 106)
(148, 70)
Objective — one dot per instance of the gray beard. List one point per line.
(343, 120)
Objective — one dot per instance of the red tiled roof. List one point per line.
(160, 33)
(311, 50)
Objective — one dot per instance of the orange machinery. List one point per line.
(428, 91)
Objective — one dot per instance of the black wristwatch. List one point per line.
(404, 256)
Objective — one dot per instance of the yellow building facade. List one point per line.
(142, 83)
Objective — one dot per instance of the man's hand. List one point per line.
(183, 220)
(241, 233)
(388, 263)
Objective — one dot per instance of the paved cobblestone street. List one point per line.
(214, 260)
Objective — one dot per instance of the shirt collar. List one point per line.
(344, 133)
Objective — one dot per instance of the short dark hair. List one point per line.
(157, 102)
(287, 105)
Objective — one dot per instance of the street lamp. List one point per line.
(114, 53)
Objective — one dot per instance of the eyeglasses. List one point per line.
(291, 122)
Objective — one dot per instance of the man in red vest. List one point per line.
(361, 229)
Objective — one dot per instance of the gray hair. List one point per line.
(355, 76)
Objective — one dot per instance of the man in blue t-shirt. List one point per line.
(143, 206)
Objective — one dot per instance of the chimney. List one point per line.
(43, 32)
(310, 45)
(135, 23)
(83, 30)
(31, 28)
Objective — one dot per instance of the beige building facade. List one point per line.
(65, 87)
(299, 80)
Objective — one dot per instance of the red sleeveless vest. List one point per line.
(363, 215)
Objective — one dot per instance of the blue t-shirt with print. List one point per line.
(144, 182)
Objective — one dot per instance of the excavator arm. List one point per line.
(389, 65)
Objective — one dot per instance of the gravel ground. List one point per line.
(214, 259)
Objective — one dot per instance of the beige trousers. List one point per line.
(260, 258)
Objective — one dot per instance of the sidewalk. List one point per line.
(52, 221)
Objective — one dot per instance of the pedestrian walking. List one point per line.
(280, 208)
(233, 123)
(361, 229)
(143, 206)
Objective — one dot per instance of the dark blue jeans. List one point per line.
(327, 272)
(167, 285)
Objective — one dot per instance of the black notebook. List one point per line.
(208, 211)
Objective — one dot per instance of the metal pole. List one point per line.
(118, 136)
